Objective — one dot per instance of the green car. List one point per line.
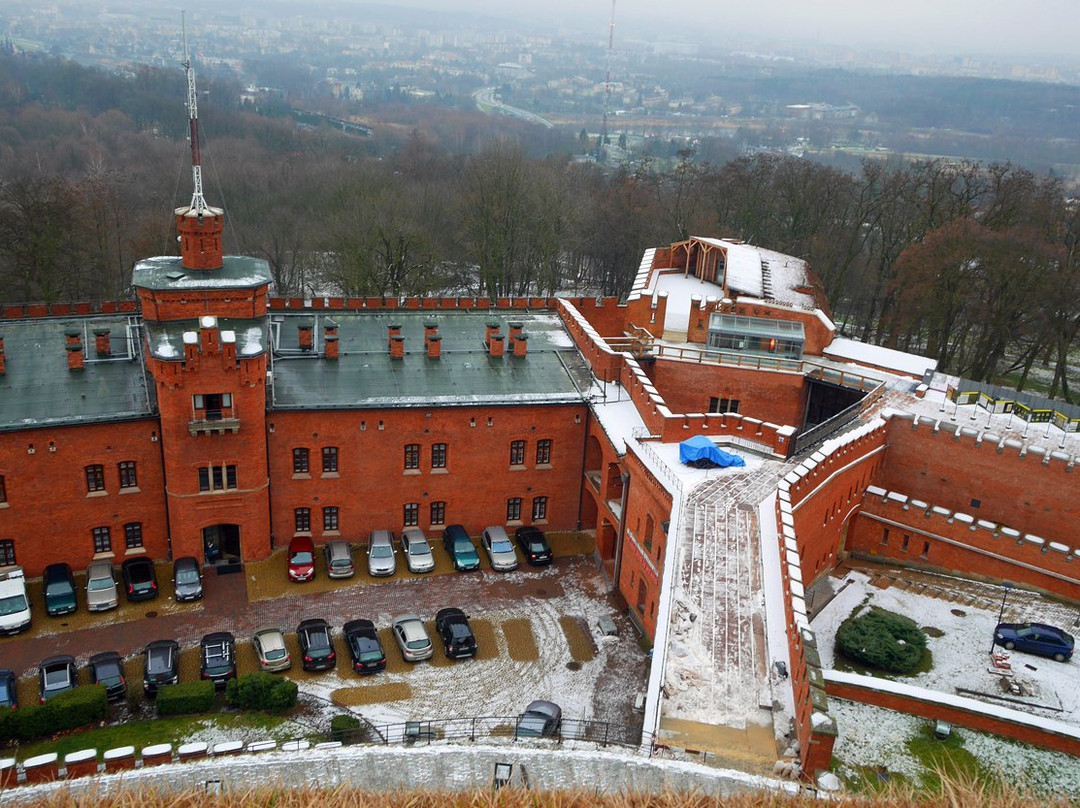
(461, 549)
(59, 586)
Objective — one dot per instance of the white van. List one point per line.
(14, 604)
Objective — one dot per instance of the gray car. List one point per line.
(541, 719)
(412, 637)
(338, 559)
(187, 579)
(270, 648)
(381, 558)
(416, 550)
(101, 592)
(500, 551)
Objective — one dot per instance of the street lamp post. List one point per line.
(1006, 586)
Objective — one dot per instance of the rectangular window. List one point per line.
(513, 509)
(102, 540)
(204, 478)
(95, 478)
(128, 479)
(7, 553)
(412, 514)
(133, 535)
(230, 476)
(438, 513)
(412, 455)
(438, 455)
(904, 543)
(212, 406)
(539, 509)
(329, 460)
(330, 518)
(723, 404)
(217, 478)
(302, 520)
(517, 453)
(885, 537)
(300, 461)
(3, 489)
(543, 452)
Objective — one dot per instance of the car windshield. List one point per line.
(418, 644)
(13, 604)
(97, 584)
(108, 670)
(536, 547)
(275, 654)
(340, 562)
(58, 588)
(56, 677)
(371, 656)
(187, 576)
(464, 546)
(381, 551)
(159, 661)
(501, 547)
(303, 557)
(317, 640)
(459, 631)
(140, 573)
(419, 547)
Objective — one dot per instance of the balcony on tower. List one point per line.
(213, 413)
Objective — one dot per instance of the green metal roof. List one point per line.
(168, 272)
(365, 375)
(37, 388)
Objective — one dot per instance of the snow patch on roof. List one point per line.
(844, 349)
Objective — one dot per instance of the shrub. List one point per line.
(346, 728)
(883, 640)
(261, 691)
(187, 697)
(76, 708)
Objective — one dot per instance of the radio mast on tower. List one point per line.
(198, 202)
(602, 141)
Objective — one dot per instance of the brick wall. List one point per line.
(648, 508)
(164, 305)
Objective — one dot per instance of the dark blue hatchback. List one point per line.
(1035, 638)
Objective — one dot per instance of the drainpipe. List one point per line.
(584, 448)
(622, 531)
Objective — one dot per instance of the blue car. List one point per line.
(1035, 638)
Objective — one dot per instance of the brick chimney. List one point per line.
(430, 328)
(101, 341)
(74, 356)
(208, 334)
(495, 345)
(521, 344)
(73, 336)
(434, 346)
(392, 330)
(331, 349)
(492, 330)
(305, 334)
(228, 348)
(191, 350)
(2, 370)
(397, 347)
(515, 329)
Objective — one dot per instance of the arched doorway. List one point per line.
(221, 544)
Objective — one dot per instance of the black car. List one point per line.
(364, 646)
(140, 581)
(56, 675)
(187, 579)
(107, 668)
(217, 655)
(9, 691)
(534, 545)
(162, 658)
(59, 586)
(316, 645)
(453, 626)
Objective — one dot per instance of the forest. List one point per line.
(973, 264)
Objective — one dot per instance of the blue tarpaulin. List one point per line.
(701, 452)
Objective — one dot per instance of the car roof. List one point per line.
(300, 542)
(99, 566)
(157, 644)
(268, 630)
(104, 656)
(137, 561)
(449, 611)
(312, 623)
(186, 561)
(402, 618)
(496, 532)
(218, 636)
(357, 625)
(58, 570)
(61, 659)
(381, 537)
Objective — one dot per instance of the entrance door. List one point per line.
(221, 544)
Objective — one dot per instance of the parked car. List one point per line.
(541, 719)
(453, 626)
(161, 660)
(301, 559)
(56, 675)
(101, 589)
(140, 580)
(217, 655)
(9, 690)
(14, 604)
(1035, 638)
(59, 586)
(457, 543)
(417, 551)
(364, 646)
(499, 550)
(381, 558)
(412, 637)
(187, 579)
(271, 651)
(316, 645)
(534, 545)
(339, 559)
(107, 668)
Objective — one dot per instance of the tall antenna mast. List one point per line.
(607, 86)
(198, 202)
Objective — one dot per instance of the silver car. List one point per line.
(381, 558)
(412, 637)
(500, 551)
(101, 592)
(339, 559)
(417, 551)
(271, 650)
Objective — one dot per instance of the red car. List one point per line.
(301, 559)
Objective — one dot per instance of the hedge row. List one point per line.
(261, 691)
(187, 697)
(346, 728)
(76, 708)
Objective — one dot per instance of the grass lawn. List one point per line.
(173, 729)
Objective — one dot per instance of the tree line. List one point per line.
(974, 265)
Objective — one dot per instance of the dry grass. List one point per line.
(954, 795)
(487, 643)
(571, 543)
(520, 641)
(371, 694)
(582, 647)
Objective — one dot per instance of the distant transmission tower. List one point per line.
(602, 140)
(198, 203)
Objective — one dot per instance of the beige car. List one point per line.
(271, 651)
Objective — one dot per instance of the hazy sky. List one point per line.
(943, 26)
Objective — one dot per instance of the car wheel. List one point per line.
(1059, 657)
(1010, 645)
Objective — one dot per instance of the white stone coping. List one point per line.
(295, 746)
(262, 746)
(119, 752)
(228, 747)
(80, 756)
(40, 760)
(193, 748)
(156, 750)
